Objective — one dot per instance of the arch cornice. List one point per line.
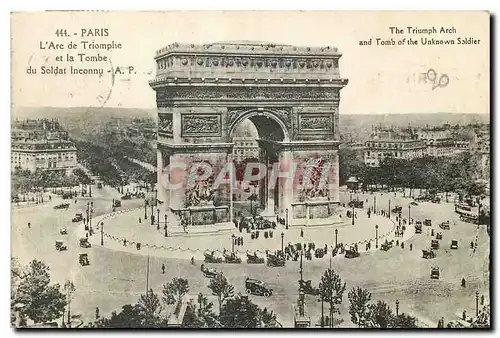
(282, 116)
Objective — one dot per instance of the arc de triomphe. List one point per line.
(291, 94)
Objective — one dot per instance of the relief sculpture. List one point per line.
(315, 123)
(314, 188)
(193, 125)
(165, 124)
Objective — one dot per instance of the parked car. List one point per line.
(61, 246)
(84, 243)
(434, 273)
(62, 206)
(257, 287)
(275, 261)
(210, 258)
(254, 259)
(208, 272)
(84, 259)
(428, 222)
(454, 244)
(351, 253)
(63, 231)
(435, 244)
(418, 228)
(428, 254)
(413, 203)
(77, 218)
(445, 225)
(439, 235)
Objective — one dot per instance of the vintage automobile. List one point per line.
(254, 259)
(434, 273)
(445, 225)
(275, 261)
(439, 235)
(454, 244)
(418, 223)
(387, 245)
(232, 258)
(434, 244)
(210, 258)
(356, 204)
(306, 287)
(208, 272)
(257, 287)
(63, 231)
(413, 203)
(428, 254)
(62, 206)
(397, 209)
(319, 253)
(60, 246)
(77, 218)
(428, 222)
(84, 243)
(351, 253)
(117, 203)
(418, 228)
(84, 259)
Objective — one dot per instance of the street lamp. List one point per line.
(145, 209)
(232, 243)
(409, 207)
(375, 203)
(282, 248)
(376, 236)
(397, 307)
(166, 223)
(158, 218)
(301, 253)
(102, 233)
(353, 214)
(336, 233)
(477, 303)
(389, 209)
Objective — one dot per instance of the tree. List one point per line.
(358, 309)
(69, 290)
(200, 316)
(175, 290)
(332, 290)
(151, 308)
(403, 321)
(380, 315)
(221, 288)
(131, 316)
(40, 301)
(239, 312)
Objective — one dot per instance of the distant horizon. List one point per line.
(340, 112)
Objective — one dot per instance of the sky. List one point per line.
(382, 79)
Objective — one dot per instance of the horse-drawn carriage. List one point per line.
(254, 259)
(275, 261)
(428, 254)
(232, 258)
(306, 287)
(211, 258)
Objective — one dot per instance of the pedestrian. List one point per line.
(463, 282)
(29, 225)
(163, 268)
(464, 315)
(411, 246)
(140, 220)
(432, 232)
(482, 299)
(124, 242)
(301, 232)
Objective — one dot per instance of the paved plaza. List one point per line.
(117, 274)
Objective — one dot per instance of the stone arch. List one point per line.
(255, 112)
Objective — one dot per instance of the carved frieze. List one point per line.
(201, 125)
(165, 124)
(165, 96)
(315, 123)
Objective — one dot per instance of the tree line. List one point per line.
(456, 173)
